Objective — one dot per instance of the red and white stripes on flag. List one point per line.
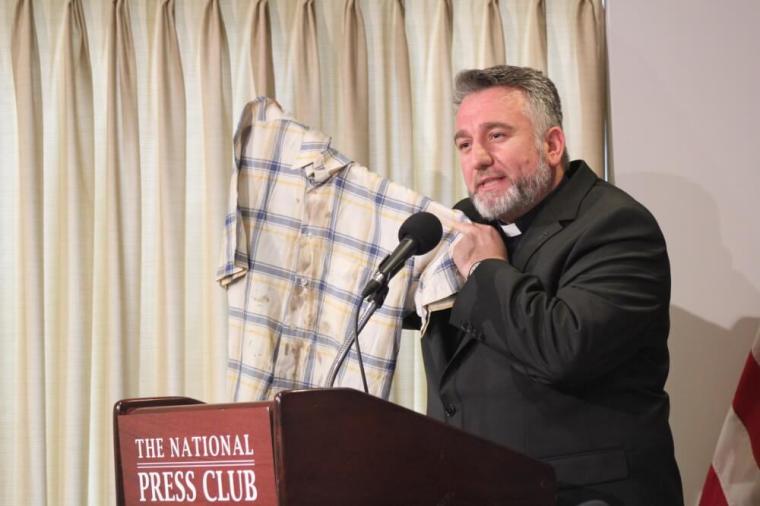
(734, 477)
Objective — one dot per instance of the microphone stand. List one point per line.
(417, 235)
(376, 300)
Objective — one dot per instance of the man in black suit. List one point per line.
(556, 346)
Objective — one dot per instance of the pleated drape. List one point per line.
(163, 338)
(391, 98)
(216, 167)
(429, 25)
(530, 33)
(251, 44)
(116, 150)
(260, 68)
(480, 34)
(302, 81)
(117, 256)
(26, 435)
(579, 37)
(68, 260)
(352, 128)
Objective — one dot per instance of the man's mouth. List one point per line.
(489, 182)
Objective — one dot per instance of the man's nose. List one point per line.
(481, 156)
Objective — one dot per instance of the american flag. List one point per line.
(734, 476)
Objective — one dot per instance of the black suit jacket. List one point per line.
(561, 353)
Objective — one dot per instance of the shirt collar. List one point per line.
(317, 159)
(510, 229)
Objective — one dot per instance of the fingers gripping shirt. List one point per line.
(306, 228)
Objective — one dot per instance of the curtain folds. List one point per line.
(259, 42)
(68, 260)
(217, 119)
(578, 37)
(27, 457)
(117, 257)
(430, 23)
(302, 81)
(533, 21)
(164, 337)
(352, 128)
(116, 150)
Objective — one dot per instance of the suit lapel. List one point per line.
(559, 209)
(533, 239)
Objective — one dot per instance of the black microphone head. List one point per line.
(424, 228)
(468, 208)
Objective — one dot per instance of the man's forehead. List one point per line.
(497, 105)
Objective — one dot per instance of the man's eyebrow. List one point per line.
(498, 124)
(486, 126)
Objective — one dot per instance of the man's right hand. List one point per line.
(476, 243)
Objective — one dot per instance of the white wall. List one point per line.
(685, 109)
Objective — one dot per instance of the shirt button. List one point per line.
(450, 410)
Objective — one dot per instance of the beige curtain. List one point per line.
(302, 80)
(217, 119)
(577, 36)
(117, 266)
(116, 148)
(352, 126)
(527, 23)
(22, 317)
(68, 194)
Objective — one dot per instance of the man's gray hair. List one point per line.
(542, 96)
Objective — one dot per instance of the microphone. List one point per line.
(420, 233)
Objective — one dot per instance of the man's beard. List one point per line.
(522, 196)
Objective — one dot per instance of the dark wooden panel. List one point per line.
(342, 447)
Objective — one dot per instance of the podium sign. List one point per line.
(204, 455)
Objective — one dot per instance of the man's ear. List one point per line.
(554, 145)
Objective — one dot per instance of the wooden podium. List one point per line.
(312, 447)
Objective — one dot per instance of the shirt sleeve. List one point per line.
(234, 255)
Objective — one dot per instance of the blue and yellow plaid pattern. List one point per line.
(305, 230)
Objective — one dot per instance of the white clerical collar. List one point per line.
(511, 230)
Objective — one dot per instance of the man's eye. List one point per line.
(463, 145)
(498, 135)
